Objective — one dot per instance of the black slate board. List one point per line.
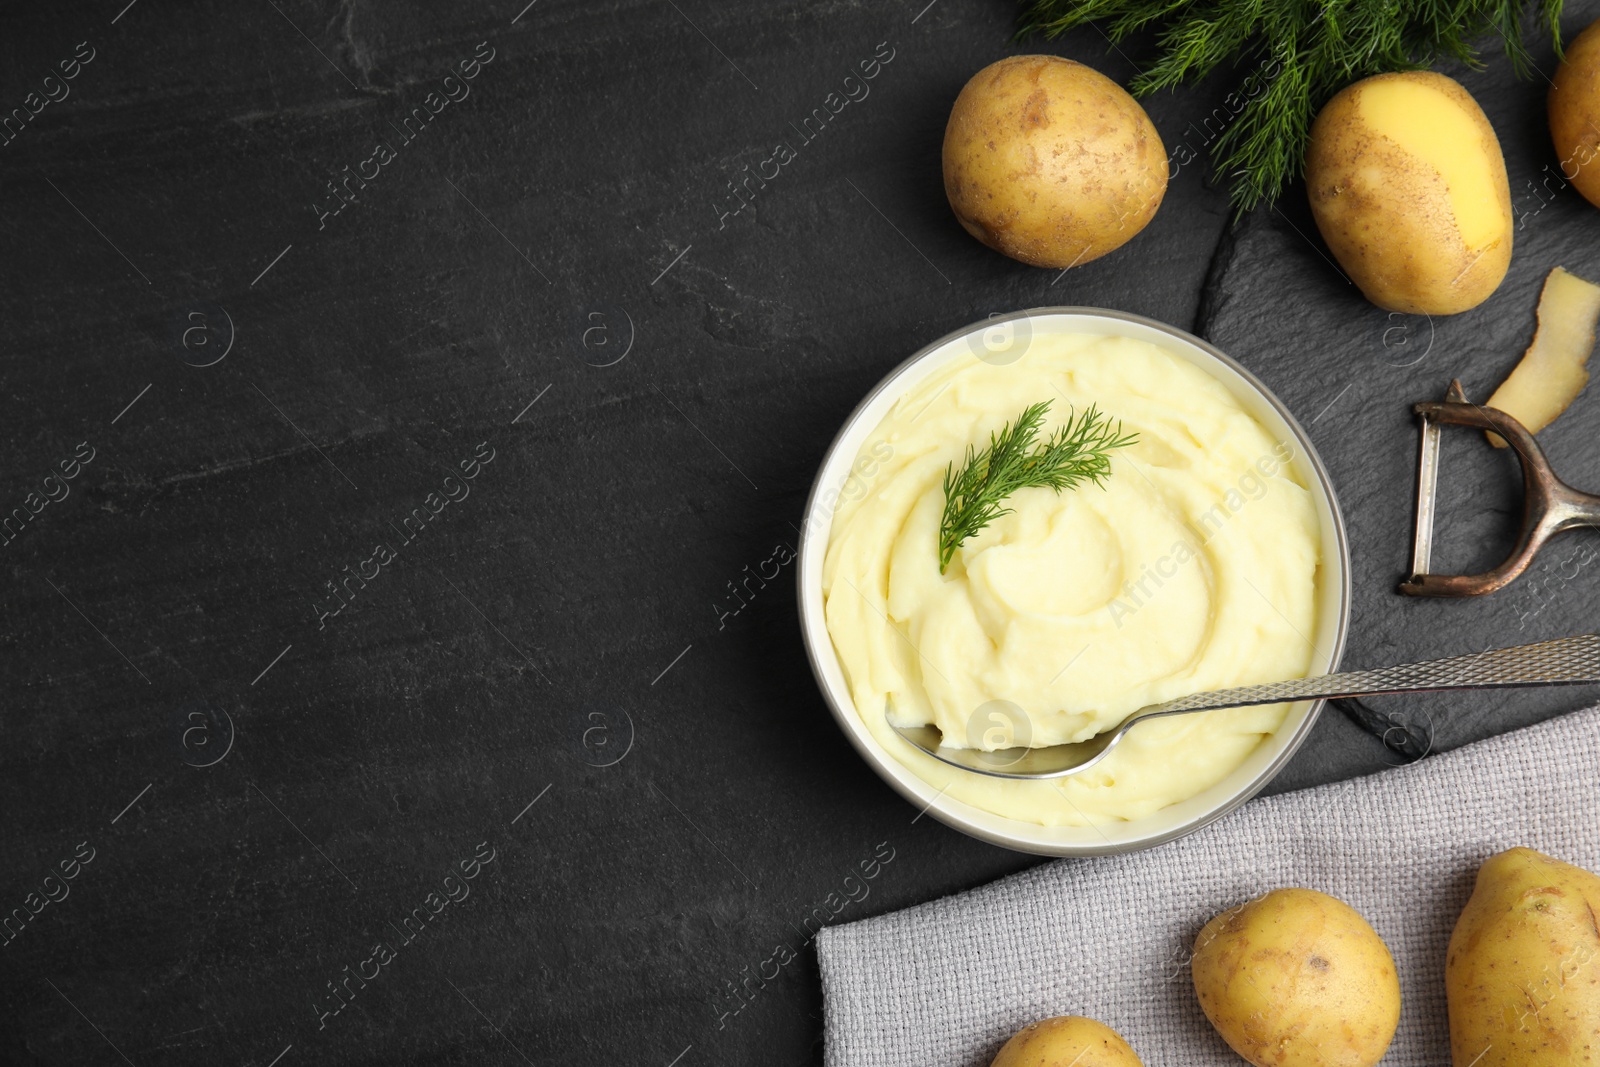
(1351, 372)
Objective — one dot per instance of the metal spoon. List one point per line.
(1564, 661)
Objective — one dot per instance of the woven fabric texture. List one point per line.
(945, 983)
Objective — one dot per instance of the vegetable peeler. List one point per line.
(1549, 505)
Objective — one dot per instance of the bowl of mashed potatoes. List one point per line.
(1212, 555)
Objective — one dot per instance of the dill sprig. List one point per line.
(1292, 55)
(1079, 451)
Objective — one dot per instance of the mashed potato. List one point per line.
(1194, 568)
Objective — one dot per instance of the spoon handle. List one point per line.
(1564, 661)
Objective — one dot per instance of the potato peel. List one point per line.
(1553, 371)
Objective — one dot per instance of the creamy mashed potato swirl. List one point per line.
(1194, 568)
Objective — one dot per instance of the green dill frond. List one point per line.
(1290, 57)
(1079, 451)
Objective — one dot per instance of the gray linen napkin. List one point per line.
(945, 983)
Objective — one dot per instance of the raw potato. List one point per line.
(1522, 977)
(1066, 1041)
(1408, 187)
(1298, 979)
(1051, 162)
(1552, 372)
(1574, 108)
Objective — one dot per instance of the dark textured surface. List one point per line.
(547, 269)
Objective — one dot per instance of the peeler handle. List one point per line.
(1582, 509)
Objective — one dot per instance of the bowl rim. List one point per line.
(844, 713)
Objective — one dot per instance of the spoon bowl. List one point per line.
(1051, 761)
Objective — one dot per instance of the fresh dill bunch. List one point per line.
(1079, 451)
(1291, 56)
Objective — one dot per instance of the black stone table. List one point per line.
(394, 395)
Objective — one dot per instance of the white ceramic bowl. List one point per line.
(1333, 593)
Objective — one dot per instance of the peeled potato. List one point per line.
(1554, 369)
(1066, 1041)
(1051, 162)
(1574, 110)
(1408, 187)
(1298, 979)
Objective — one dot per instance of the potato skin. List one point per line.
(1066, 1041)
(1522, 977)
(1385, 210)
(1574, 108)
(1050, 162)
(1297, 978)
